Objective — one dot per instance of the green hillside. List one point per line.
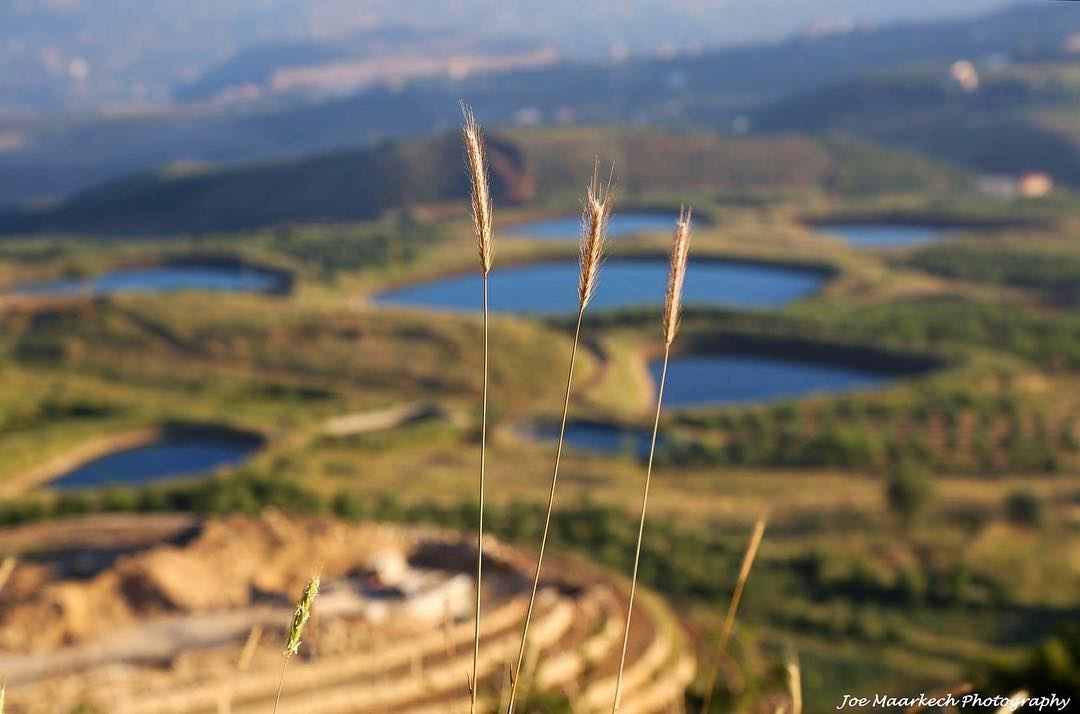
(527, 167)
(1016, 119)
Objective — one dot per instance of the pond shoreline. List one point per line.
(916, 220)
(282, 281)
(58, 466)
(612, 434)
(569, 254)
(832, 354)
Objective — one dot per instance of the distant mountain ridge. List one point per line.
(1014, 120)
(526, 165)
(125, 51)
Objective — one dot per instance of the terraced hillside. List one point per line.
(136, 614)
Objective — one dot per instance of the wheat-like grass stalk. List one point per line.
(3, 692)
(248, 651)
(596, 212)
(300, 618)
(733, 606)
(482, 226)
(481, 191)
(7, 567)
(594, 224)
(680, 251)
(794, 682)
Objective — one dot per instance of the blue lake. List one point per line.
(883, 235)
(699, 380)
(695, 381)
(569, 227)
(552, 287)
(161, 279)
(157, 461)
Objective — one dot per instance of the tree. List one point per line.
(1023, 508)
(909, 491)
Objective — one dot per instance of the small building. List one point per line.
(964, 74)
(1035, 184)
(1030, 184)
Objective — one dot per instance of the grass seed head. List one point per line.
(301, 616)
(680, 251)
(595, 215)
(481, 191)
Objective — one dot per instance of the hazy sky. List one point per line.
(84, 52)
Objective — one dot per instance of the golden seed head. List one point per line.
(481, 192)
(595, 214)
(680, 251)
(301, 616)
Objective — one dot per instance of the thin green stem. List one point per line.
(480, 521)
(641, 531)
(547, 519)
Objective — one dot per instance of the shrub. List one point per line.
(350, 507)
(1024, 508)
(909, 491)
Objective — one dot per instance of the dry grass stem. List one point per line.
(733, 606)
(481, 191)
(250, 645)
(680, 250)
(6, 569)
(482, 225)
(794, 682)
(593, 234)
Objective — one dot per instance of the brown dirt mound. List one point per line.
(230, 563)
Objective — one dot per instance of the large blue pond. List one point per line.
(552, 287)
(569, 227)
(883, 235)
(161, 279)
(695, 381)
(171, 458)
(698, 380)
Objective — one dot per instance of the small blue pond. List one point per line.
(596, 436)
(883, 235)
(569, 227)
(166, 459)
(161, 279)
(705, 380)
(546, 288)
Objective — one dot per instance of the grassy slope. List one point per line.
(526, 166)
(1007, 125)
